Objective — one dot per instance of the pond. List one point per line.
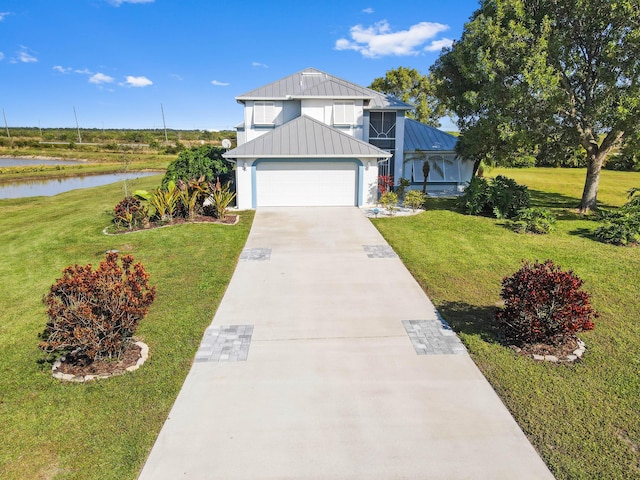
(53, 186)
(27, 162)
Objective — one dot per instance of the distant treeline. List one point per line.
(119, 135)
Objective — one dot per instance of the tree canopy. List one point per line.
(414, 88)
(545, 75)
(206, 161)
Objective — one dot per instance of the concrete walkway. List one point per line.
(325, 360)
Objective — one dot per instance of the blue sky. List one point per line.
(117, 61)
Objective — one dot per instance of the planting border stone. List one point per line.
(571, 358)
(144, 354)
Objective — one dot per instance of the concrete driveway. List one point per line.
(325, 360)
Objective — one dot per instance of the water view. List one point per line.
(49, 187)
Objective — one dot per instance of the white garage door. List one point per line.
(302, 184)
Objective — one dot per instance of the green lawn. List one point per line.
(104, 429)
(583, 419)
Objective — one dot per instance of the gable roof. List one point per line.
(313, 83)
(306, 137)
(421, 137)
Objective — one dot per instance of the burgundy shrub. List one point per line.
(544, 304)
(97, 312)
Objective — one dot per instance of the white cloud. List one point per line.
(379, 40)
(61, 69)
(138, 81)
(368, 10)
(100, 78)
(1, 56)
(438, 45)
(258, 64)
(117, 3)
(83, 71)
(218, 84)
(176, 76)
(25, 57)
(4, 14)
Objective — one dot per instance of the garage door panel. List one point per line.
(306, 183)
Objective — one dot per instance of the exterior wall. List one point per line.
(399, 160)
(322, 110)
(244, 187)
(285, 112)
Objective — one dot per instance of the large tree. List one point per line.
(527, 73)
(414, 88)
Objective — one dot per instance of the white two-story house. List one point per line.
(313, 139)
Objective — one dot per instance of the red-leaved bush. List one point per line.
(97, 312)
(543, 304)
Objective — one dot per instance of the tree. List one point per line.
(525, 72)
(206, 161)
(410, 86)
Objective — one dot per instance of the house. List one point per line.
(313, 139)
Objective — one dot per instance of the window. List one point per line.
(382, 134)
(264, 113)
(343, 113)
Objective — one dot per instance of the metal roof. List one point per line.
(313, 83)
(306, 137)
(418, 136)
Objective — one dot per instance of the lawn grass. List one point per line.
(583, 419)
(104, 429)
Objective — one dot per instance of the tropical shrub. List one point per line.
(206, 161)
(222, 197)
(503, 197)
(389, 200)
(414, 199)
(96, 313)
(162, 204)
(474, 200)
(621, 226)
(129, 213)
(543, 304)
(533, 220)
(402, 188)
(507, 198)
(191, 193)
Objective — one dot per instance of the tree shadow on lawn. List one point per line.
(544, 199)
(476, 320)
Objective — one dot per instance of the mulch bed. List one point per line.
(567, 352)
(76, 365)
(227, 220)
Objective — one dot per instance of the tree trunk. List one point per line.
(595, 159)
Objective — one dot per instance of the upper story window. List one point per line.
(343, 113)
(264, 113)
(382, 125)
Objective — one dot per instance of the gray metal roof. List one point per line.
(418, 136)
(306, 137)
(313, 83)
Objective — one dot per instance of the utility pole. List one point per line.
(6, 125)
(166, 139)
(77, 125)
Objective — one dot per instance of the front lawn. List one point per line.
(583, 419)
(103, 429)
